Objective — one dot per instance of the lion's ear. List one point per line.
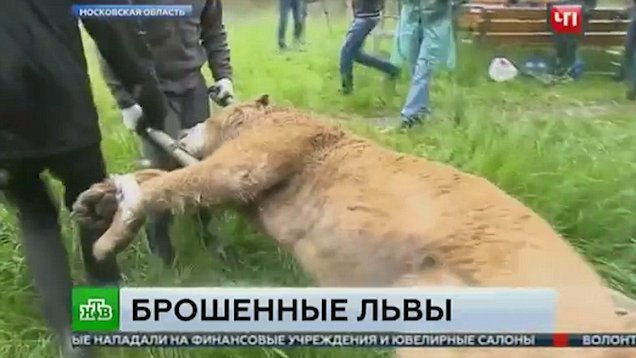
(263, 100)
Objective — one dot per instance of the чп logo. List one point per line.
(566, 19)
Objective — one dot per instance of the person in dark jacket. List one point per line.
(180, 47)
(566, 45)
(48, 121)
(298, 8)
(630, 43)
(366, 17)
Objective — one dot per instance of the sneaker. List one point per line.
(402, 124)
(409, 122)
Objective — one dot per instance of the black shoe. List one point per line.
(409, 122)
(346, 86)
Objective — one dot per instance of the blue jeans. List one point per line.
(417, 100)
(352, 50)
(299, 11)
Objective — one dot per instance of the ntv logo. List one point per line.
(95, 310)
(566, 19)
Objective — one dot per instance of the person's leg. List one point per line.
(43, 247)
(354, 40)
(158, 224)
(413, 55)
(625, 68)
(570, 51)
(284, 7)
(417, 99)
(629, 70)
(561, 53)
(631, 89)
(195, 105)
(298, 13)
(372, 61)
(78, 170)
(304, 21)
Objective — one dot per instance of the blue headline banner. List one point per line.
(131, 11)
(401, 310)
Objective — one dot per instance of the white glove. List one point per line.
(131, 116)
(226, 88)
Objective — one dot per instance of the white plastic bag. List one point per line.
(501, 69)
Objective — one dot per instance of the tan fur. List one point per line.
(355, 214)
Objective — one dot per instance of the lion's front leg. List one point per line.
(203, 184)
(238, 171)
(128, 217)
(180, 190)
(96, 207)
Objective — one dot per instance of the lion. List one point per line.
(356, 214)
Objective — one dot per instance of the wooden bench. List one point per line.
(526, 25)
(468, 19)
(523, 22)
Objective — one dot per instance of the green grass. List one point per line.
(568, 152)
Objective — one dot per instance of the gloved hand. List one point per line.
(225, 89)
(131, 116)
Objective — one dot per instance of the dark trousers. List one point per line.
(299, 12)
(42, 242)
(629, 63)
(187, 110)
(352, 50)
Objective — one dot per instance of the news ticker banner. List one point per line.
(358, 310)
(353, 340)
(130, 11)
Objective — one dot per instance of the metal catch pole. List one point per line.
(170, 145)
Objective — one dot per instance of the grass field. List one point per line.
(569, 152)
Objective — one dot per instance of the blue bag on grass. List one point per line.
(535, 66)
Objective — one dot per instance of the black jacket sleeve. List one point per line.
(214, 38)
(121, 43)
(122, 96)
